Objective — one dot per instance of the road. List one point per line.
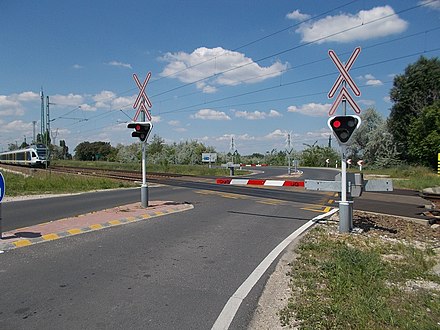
(171, 272)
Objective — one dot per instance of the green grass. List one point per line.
(410, 177)
(43, 183)
(348, 284)
(197, 170)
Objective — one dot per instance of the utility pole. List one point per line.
(33, 131)
(48, 129)
(329, 141)
(232, 149)
(54, 136)
(42, 123)
(289, 151)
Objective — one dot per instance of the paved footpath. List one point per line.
(87, 222)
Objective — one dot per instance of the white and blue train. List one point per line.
(35, 156)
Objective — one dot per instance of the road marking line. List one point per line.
(97, 226)
(271, 202)
(226, 316)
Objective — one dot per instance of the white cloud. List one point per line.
(323, 133)
(209, 114)
(87, 107)
(274, 113)
(370, 80)
(387, 99)
(66, 100)
(207, 89)
(374, 82)
(175, 123)
(431, 4)
(383, 20)
(297, 16)
(276, 135)
(211, 67)
(119, 64)
(311, 109)
(108, 100)
(18, 126)
(26, 97)
(10, 107)
(156, 119)
(77, 66)
(257, 115)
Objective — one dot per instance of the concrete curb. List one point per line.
(54, 230)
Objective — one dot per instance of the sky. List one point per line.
(248, 71)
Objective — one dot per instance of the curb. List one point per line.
(23, 236)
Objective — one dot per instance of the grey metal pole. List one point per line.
(144, 187)
(344, 206)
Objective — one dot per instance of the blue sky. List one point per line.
(254, 70)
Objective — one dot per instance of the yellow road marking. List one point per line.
(74, 231)
(97, 226)
(271, 202)
(115, 222)
(50, 237)
(22, 243)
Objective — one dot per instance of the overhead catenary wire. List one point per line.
(271, 56)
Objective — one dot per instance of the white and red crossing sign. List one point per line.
(142, 98)
(344, 76)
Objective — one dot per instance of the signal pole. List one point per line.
(144, 186)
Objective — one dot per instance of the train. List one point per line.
(33, 156)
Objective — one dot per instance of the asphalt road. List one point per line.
(21, 214)
(171, 272)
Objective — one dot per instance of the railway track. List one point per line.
(114, 174)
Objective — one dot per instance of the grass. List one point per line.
(409, 177)
(43, 183)
(197, 170)
(346, 282)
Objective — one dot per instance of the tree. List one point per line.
(371, 120)
(315, 155)
(381, 149)
(128, 154)
(156, 145)
(424, 136)
(64, 150)
(412, 91)
(93, 151)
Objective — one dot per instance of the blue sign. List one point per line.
(2, 186)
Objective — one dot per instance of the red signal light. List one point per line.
(138, 128)
(336, 124)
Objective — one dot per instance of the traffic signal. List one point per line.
(343, 127)
(141, 129)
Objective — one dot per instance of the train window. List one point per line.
(34, 154)
(28, 155)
